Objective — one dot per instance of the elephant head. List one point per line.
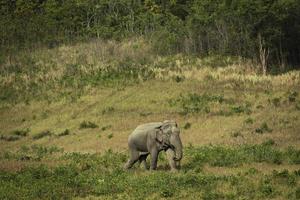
(168, 136)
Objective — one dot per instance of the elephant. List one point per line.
(152, 138)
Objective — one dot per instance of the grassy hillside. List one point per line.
(66, 113)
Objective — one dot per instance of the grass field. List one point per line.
(66, 113)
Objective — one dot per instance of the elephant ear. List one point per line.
(159, 135)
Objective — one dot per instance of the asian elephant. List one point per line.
(151, 138)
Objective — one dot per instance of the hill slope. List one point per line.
(236, 125)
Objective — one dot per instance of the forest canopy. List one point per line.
(257, 29)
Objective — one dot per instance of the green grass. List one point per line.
(101, 175)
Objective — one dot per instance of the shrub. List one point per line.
(236, 134)
(249, 120)
(292, 96)
(106, 127)
(241, 109)
(187, 125)
(10, 138)
(87, 124)
(108, 110)
(22, 133)
(263, 128)
(276, 102)
(64, 133)
(42, 134)
(109, 136)
(194, 103)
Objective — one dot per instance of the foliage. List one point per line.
(42, 134)
(87, 124)
(82, 175)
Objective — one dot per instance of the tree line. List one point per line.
(265, 30)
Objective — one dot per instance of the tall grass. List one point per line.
(54, 73)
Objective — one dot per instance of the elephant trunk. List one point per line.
(178, 149)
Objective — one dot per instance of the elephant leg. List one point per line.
(171, 155)
(154, 156)
(134, 157)
(142, 159)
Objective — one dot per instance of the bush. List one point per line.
(187, 125)
(263, 128)
(22, 133)
(87, 124)
(42, 134)
(10, 138)
(194, 103)
(64, 133)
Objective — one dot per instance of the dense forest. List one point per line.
(265, 31)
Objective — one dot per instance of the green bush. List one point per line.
(263, 128)
(194, 103)
(87, 124)
(42, 134)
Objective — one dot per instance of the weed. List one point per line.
(269, 142)
(241, 109)
(297, 106)
(276, 101)
(292, 96)
(293, 155)
(108, 110)
(236, 134)
(297, 193)
(42, 134)
(10, 138)
(263, 128)
(87, 124)
(187, 125)
(104, 128)
(249, 120)
(178, 79)
(22, 133)
(267, 190)
(64, 133)
(194, 103)
(145, 114)
(109, 136)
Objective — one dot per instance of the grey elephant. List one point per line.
(152, 138)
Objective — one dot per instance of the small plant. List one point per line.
(110, 136)
(292, 96)
(267, 189)
(297, 106)
(263, 128)
(10, 138)
(108, 110)
(297, 193)
(178, 79)
(145, 114)
(241, 109)
(104, 128)
(276, 101)
(87, 124)
(187, 125)
(195, 103)
(236, 134)
(42, 134)
(269, 142)
(64, 133)
(249, 120)
(22, 133)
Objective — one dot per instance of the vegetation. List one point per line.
(101, 175)
(267, 31)
(76, 77)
